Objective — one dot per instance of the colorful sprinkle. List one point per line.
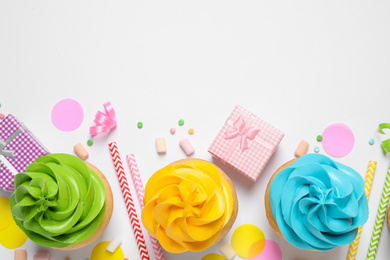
(319, 138)
(2, 116)
(191, 131)
(140, 125)
(181, 122)
(89, 142)
(316, 149)
(371, 141)
(173, 130)
(248, 240)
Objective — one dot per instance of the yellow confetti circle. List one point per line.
(213, 257)
(11, 236)
(248, 240)
(191, 131)
(100, 252)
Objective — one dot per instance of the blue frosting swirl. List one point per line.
(318, 203)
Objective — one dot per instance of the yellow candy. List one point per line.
(100, 252)
(248, 240)
(191, 131)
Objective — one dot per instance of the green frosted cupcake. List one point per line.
(60, 201)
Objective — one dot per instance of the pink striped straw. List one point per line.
(158, 252)
(129, 201)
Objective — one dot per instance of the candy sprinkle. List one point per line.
(140, 125)
(181, 122)
(316, 149)
(89, 142)
(191, 131)
(319, 138)
(371, 141)
(173, 130)
(2, 116)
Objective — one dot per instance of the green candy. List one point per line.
(140, 125)
(58, 201)
(319, 138)
(181, 122)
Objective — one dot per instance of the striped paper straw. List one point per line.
(353, 247)
(129, 201)
(380, 218)
(158, 252)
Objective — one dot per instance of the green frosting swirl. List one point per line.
(58, 201)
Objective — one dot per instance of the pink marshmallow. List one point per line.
(42, 256)
(20, 254)
(187, 147)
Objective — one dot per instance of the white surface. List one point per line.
(300, 65)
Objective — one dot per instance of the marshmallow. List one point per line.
(160, 145)
(20, 254)
(227, 250)
(42, 256)
(113, 245)
(302, 148)
(80, 151)
(187, 147)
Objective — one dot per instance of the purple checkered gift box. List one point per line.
(18, 148)
(246, 143)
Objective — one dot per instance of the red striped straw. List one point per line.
(158, 252)
(129, 201)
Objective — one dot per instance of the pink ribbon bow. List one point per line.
(105, 121)
(241, 129)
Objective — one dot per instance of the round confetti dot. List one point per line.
(213, 256)
(191, 131)
(371, 141)
(173, 130)
(11, 236)
(338, 140)
(248, 240)
(140, 125)
(89, 142)
(67, 115)
(181, 122)
(319, 138)
(271, 252)
(100, 252)
(316, 149)
(2, 116)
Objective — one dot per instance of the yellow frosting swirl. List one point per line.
(187, 206)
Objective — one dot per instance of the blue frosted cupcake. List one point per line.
(316, 203)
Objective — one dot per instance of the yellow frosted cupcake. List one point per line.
(190, 205)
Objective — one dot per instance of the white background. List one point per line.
(300, 65)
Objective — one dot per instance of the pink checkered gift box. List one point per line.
(18, 148)
(246, 143)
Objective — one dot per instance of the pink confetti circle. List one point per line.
(338, 140)
(271, 251)
(67, 115)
